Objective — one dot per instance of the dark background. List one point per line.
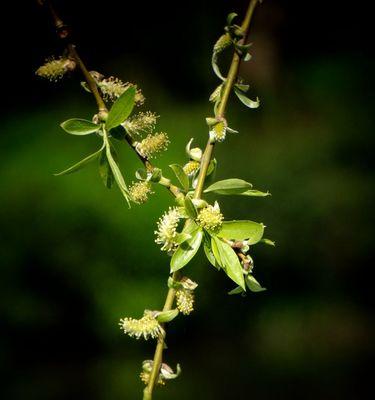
(74, 259)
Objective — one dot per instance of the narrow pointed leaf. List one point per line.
(80, 164)
(245, 100)
(167, 316)
(187, 250)
(105, 171)
(236, 290)
(121, 108)
(229, 186)
(228, 261)
(77, 126)
(253, 284)
(190, 209)
(181, 176)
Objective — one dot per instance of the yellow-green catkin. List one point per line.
(112, 88)
(210, 217)
(140, 191)
(185, 301)
(55, 68)
(191, 167)
(167, 229)
(143, 122)
(153, 144)
(222, 43)
(219, 131)
(146, 327)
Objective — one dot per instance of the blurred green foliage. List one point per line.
(75, 259)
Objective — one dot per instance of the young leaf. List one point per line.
(245, 100)
(253, 284)
(215, 66)
(236, 290)
(268, 241)
(228, 260)
(115, 169)
(255, 193)
(208, 251)
(190, 208)
(242, 230)
(77, 126)
(167, 316)
(80, 164)
(181, 176)
(105, 171)
(187, 250)
(229, 186)
(121, 108)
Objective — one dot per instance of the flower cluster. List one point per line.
(141, 122)
(191, 167)
(147, 326)
(152, 144)
(112, 88)
(139, 191)
(185, 301)
(167, 229)
(210, 217)
(55, 69)
(219, 131)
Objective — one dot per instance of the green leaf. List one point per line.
(231, 17)
(191, 211)
(77, 126)
(105, 171)
(182, 237)
(215, 66)
(208, 250)
(115, 169)
(187, 250)
(80, 164)
(268, 241)
(229, 186)
(121, 108)
(253, 284)
(228, 260)
(242, 230)
(255, 193)
(167, 316)
(245, 100)
(181, 176)
(236, 290)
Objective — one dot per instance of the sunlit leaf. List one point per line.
(80, 164)
(228, 260)
(229, 186)
(187, 250)
(77, 126)
(253, 284)
(245, 100)
(181, 176)
(242, 230)
(121, 108)
(167, 316)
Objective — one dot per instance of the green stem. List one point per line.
(228, 85)
(206, 158)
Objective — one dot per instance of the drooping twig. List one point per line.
(206, 158)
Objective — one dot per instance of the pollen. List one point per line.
(146, 327)
(210, 218)
(141, 122)
(55, 69)
(185, 301)
(191, 167)
(219, 131)
(112, 88)
(153, 144)
(139, 192)
(167, 230)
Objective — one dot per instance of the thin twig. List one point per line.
(206, 158)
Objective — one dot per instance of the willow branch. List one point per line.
(228, 86)
(64, 33)
(206, 158)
